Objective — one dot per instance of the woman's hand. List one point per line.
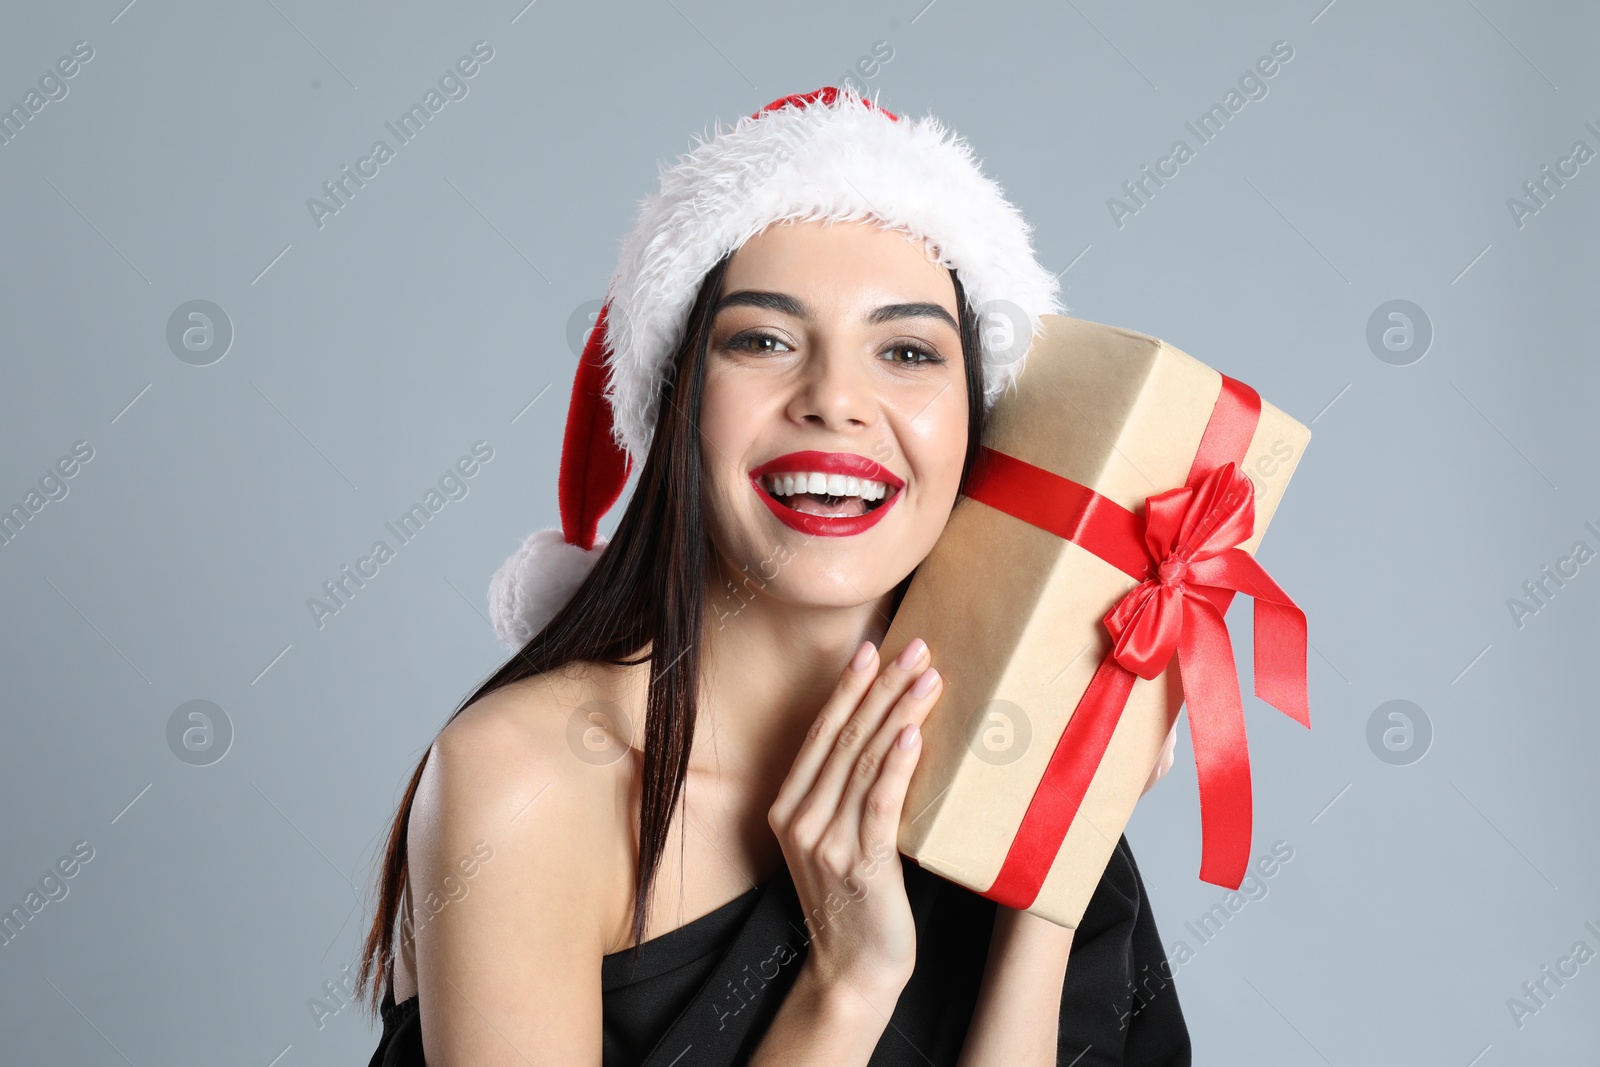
(837, 816)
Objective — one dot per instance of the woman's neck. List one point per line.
(768, 668)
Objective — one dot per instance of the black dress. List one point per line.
(706, 992)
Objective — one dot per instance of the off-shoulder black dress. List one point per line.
(705, 993)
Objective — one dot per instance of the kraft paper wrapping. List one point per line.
(1013, 614)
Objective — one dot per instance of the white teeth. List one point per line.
(831, 484)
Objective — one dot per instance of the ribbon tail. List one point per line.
(1221, 755)
(1280, 638)
(1280, 651)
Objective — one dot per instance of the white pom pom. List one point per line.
(535, 583)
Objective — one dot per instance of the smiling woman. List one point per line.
(694, 818)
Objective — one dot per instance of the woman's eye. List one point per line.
(745, 342)
(917, 352)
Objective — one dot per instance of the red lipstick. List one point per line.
(846, 463)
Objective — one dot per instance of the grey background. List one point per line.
(433, 312)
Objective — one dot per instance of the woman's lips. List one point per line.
(823, 525)
(846, 464)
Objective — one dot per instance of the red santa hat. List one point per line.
(830, 154)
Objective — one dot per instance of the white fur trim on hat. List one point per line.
(535, 583)
(843, 161)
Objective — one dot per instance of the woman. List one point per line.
(792, 343)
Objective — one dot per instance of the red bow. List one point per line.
(1192, 534)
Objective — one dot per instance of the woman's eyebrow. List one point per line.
(788, 305)
(919, 310)
(756, 298)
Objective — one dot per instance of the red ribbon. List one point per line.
(1183, 552)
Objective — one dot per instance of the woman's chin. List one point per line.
(832, 591)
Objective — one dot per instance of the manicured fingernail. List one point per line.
(908, 736)
(912, 652)
(863, 657)
(926, 682)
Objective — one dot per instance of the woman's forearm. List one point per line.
(1019, 1005)
(826, 1025)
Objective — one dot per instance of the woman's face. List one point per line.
(834, 364)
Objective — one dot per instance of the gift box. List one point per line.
(1075, 601)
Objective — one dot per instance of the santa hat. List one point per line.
(830, 154)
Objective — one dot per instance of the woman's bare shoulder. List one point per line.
(528, 713)
(519, 932)
(513, 770)
(529, 743)
(550, 718)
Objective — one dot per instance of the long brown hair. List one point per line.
(646, 589)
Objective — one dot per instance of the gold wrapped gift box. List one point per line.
(1014, 614)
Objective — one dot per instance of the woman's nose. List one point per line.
(834, 391)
